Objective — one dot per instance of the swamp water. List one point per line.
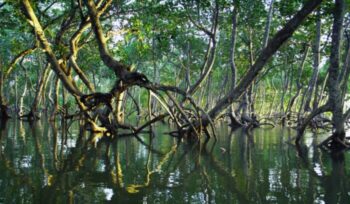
(39, 164)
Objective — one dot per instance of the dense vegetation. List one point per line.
(190, 63)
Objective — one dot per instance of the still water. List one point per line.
(40, 163)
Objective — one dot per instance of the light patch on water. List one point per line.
(26, 161)
(48, 179)
(318, 169)
(129, 2)
(293, 178)
(173, 179)
(142, 152)
(109, 193)
(200, 196)
(274, 180)
(144, 200)
(311, 152)
(319, 200)
(308, 140)
(71, 143)
(271, 198)
(101, 167)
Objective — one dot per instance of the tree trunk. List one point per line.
(336, 99)
(56, 66)
(119, 113)
(4, 75)
(81, 74)
(345, 73)
(316, 63)
(234, 120)
(233, 47)
(44, 100)
(211, 51)
(55, 98)
(21, 100)
(156, 74)
(284, 91)
(268, 25)
(120, 69)
(274, 44)
(3, 104)
(252, 87)
(299, 85)
(32, 115)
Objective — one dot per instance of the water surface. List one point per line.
(41, 163)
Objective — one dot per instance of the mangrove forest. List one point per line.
(174, 101)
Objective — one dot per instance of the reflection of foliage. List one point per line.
(252, 168)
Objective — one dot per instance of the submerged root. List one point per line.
(334, 143)
(235, 123)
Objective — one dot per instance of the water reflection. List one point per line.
(40, 162)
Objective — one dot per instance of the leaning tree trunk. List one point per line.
(57, 67)
(316, 63)
(274, 44)
(60, 68)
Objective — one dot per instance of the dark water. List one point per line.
(42, 165)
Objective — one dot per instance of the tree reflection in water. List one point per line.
(59, 163)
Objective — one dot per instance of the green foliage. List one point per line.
(162, 40)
